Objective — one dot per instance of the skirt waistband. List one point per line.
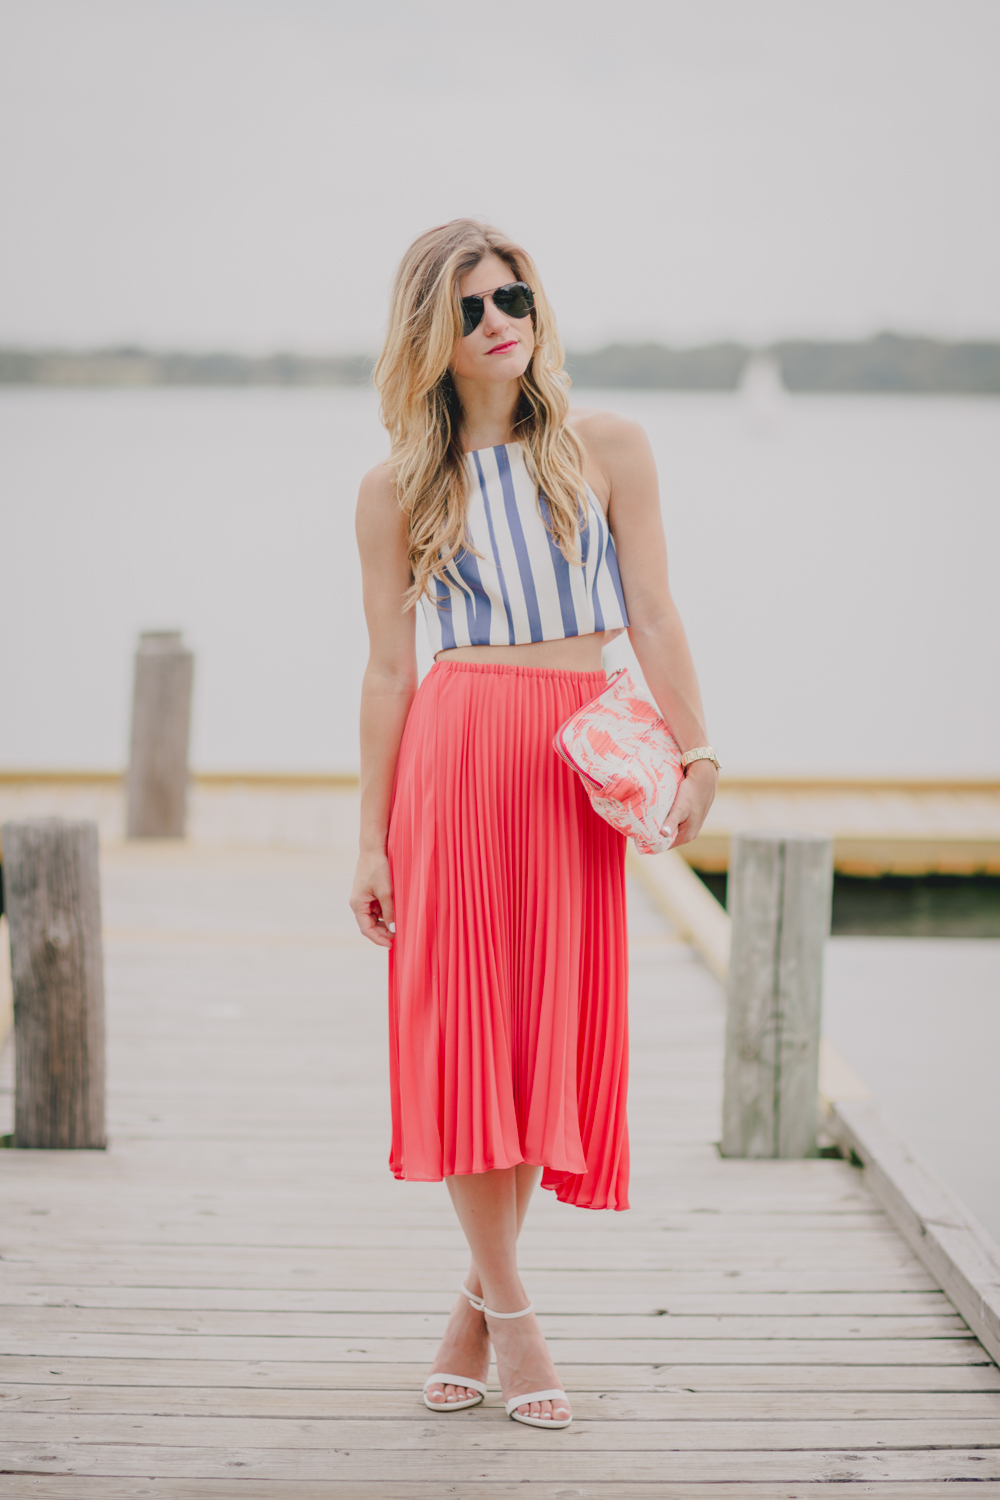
(509, 669)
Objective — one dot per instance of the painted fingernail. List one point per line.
(391, 926)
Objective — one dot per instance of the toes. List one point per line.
(545, 1411)
(447, 1395)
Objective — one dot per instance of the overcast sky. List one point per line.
(246, 173)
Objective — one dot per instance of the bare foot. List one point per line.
(464, 1350)
(525, 1364)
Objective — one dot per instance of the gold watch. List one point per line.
(704, 752)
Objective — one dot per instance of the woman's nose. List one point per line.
(493, 319)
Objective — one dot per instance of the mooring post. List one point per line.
(779, 897)
(161, 720)
(53, 898)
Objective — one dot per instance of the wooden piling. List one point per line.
(780, 890)
(53, 900)
(161, 719)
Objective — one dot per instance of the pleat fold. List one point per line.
(508, 978)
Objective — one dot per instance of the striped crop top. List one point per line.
(521, 588)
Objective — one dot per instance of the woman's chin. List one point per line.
(504, 366)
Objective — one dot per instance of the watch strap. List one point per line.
(703, 752)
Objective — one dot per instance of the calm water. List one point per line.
(835, 560)
(919, 1020)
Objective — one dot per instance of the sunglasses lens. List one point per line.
(515, 300)
(472, 314)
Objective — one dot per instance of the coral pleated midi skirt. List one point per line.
(508, 977)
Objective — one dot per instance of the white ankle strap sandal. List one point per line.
(441, 1378)
(444, 1405)
(480, 1306)
(554, 1396)
(516, 1401)
(478, 1302)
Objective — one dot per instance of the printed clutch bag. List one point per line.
(627, 759)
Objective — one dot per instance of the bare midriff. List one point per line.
(578, 653)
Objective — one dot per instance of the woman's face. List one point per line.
(501, 347)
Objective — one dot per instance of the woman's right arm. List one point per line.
(390, 682)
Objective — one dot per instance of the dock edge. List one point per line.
(943, 1234)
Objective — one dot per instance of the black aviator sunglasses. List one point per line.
(516, 299)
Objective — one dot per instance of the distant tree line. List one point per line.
(129, 366)
(887, 362)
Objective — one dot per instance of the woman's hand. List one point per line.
(695, 796)
(371, 899)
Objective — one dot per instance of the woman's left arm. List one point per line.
(622, 452)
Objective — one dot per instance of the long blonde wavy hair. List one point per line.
(423, 415)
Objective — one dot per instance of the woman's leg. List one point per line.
(464, 1336)
(526, 1179)
(491, 1208)
(465, 1348)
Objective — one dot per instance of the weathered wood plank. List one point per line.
(361, 1348)
(916, 1408)
(592, 1327)
(190, 1270)
(555, 1301)
(563, 1461)
(550, 1251)
(82, 1487)
(812, 1205)
(402, 1375)
(491, 1430)
(137, 1208)
(190, 1224)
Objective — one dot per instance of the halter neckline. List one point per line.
(492, 448)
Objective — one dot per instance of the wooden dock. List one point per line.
(236, 1299)
(878, 827)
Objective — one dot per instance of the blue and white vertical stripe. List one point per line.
(521, 588)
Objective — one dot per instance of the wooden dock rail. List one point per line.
(236, 1299)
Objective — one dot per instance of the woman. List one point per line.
(530, 535)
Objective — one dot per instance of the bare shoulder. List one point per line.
(607, 436)
(377, 503)
(377, 490)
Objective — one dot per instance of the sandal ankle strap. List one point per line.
(480, 1306)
